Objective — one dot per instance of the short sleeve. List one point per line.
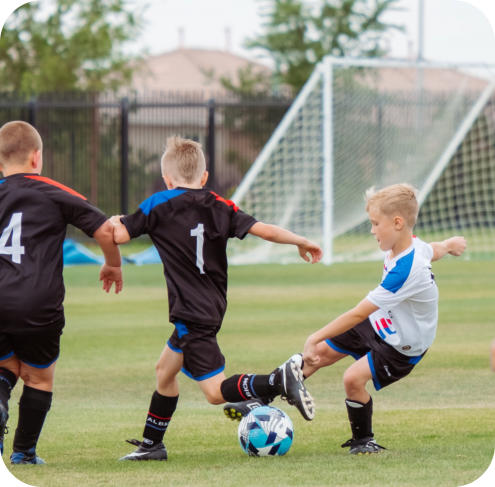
(78, 211)
(240, 224)
(136, 223)
(88, 218)
(74, 207)
(385, 299)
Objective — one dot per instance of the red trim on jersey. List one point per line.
(58, 185)
(223, 200)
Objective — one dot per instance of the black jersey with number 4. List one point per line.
(34, 214)
(190, 229)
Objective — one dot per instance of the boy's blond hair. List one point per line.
(17, 140)
(397, 199)
(183, 160)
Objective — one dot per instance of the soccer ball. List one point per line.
(266, 431)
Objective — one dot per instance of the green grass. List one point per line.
(438, 424)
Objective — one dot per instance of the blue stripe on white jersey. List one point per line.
(159, 198)
(399, 274)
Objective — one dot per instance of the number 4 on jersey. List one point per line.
(13, 229)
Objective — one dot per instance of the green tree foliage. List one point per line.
(299, 33)
(67, 45)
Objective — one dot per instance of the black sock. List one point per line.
(33, 408)
(7, 382)
(161, 410)
(360, 418)
(248, 386)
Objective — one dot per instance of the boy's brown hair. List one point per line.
(183, 160)
(17, 140)
(397, 199)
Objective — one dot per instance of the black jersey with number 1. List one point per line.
(34, 214)
(190, 229)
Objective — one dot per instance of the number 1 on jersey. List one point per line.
(14, 229)
(199, 232)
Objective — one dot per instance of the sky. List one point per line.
(454, 30)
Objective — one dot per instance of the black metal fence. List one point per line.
(109, 148)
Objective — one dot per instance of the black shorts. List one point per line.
(386, 363)
(38, 346)
(202, 356)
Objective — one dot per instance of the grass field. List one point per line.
(438, 424)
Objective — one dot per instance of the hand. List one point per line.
(110, 275)
(456, 245)
(310, 356)
(313, 249)
(115, 220)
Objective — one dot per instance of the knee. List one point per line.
(214, 396)
(35, 381)
(27, 377)
(158, 371)
(353, 382)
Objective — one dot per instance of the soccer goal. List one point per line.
(362, 123)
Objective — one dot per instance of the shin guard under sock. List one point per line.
(161, 410)
(360, 416)
(248, 386)
(34, 405)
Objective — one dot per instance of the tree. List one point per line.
(300, 33)
(67, 45)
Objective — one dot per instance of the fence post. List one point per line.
(124, 156)
(211, 143)
(32, 111)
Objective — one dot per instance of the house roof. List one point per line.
(190, 70)
(438, 80)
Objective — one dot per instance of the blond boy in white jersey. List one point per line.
(391, 329)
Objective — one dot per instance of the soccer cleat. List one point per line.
(363, 446)
(237, 410)
(4, 416)
(156, 452)
(293, 388)
(26, 457)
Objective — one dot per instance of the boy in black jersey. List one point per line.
(190, 227)
(34, 214)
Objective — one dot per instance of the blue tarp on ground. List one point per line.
(148, 256)
(77, 254)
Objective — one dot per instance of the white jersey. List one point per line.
(408, 300)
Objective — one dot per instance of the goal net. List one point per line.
(362, 123)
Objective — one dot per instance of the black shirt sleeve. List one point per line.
(240, 224)
(136, 224)
(85, 216)
(76, 209)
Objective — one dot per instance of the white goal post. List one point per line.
(360, 123)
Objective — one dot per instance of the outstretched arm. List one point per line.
(111, 271)
(453, 246)
(276, 234)
(339, 325)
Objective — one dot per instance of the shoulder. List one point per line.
(49, 184)
(223, 201)
(423, 249)
(399, 274)
(159, 198)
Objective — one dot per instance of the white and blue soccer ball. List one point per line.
(266, 431)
